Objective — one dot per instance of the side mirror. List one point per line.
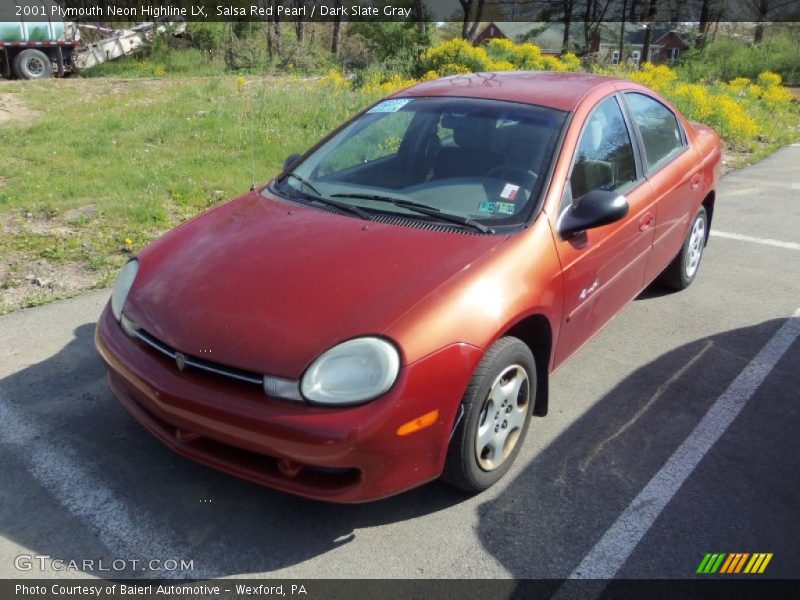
(290, 160)
(594, 209)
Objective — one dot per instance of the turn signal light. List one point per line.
(422, 422)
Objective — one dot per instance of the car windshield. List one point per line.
(482, 161)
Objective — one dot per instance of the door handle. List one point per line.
(646, 221)
(696, 180)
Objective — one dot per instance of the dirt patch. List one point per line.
(84, 212)
(29, 283)
(13, 108)
(17, 221)
(731, 159)
(9, 223)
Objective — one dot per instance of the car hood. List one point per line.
(266, 286)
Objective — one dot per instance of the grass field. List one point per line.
(94, 169)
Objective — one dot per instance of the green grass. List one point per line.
(110, 164)
(188, 62)
(144, 156)
(140, 152)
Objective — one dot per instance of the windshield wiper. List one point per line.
(304, 182)
(421, 208)
(327, 201)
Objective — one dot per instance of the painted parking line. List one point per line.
(755, 240)
(126, 534)
(610, 553)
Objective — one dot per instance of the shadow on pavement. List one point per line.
(227, 526)
(564, 500)
(540, 525)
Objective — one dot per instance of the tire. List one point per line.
(683, 269)
(33, 64)
(469, 466)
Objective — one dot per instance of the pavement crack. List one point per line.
(656, 395)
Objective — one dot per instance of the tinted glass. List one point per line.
(659, 128)
(604, 159)
(481, 159)
(371, 143)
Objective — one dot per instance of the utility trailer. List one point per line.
(36, 50)
(121, 42)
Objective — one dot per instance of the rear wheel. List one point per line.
(497, 407)
(33, 64)
(683, 269)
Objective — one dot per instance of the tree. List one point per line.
(337, 30)
(710, 12)
(389, 39)
(652, 8)
(299, 24)
(473, 12)
(593, 15)
(421, 18)
(568, 6)
(764, 10)
(622, 31)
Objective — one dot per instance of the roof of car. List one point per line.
(560, 90)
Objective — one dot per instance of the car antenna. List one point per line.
(252, 130)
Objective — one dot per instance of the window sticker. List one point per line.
(506, 208)
(389, 106)
(509, 192)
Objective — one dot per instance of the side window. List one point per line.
(604, 159)
(659, 128)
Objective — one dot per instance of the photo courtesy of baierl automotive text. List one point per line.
(399, 299)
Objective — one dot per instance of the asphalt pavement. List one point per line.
(672, 434)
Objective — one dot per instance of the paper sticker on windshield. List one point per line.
(505, 208)
(509, 192)
(389, 106)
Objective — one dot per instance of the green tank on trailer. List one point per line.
(31, 31)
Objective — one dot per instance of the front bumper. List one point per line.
(350, 454)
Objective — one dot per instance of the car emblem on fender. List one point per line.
(180, 360)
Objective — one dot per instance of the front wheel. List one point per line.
(33, 64)
(497, 408)
(683, 269)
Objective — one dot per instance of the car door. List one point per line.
(674, 172)
(604, 267)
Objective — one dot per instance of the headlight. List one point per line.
(122, 286)
(354, 371)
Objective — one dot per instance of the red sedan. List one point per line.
(388, 309)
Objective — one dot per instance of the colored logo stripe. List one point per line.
(758, 563)
(734, 563)
(710, 563)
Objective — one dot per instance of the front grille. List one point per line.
(192, 361)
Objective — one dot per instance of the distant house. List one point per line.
(666, 45)
(548, 36)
